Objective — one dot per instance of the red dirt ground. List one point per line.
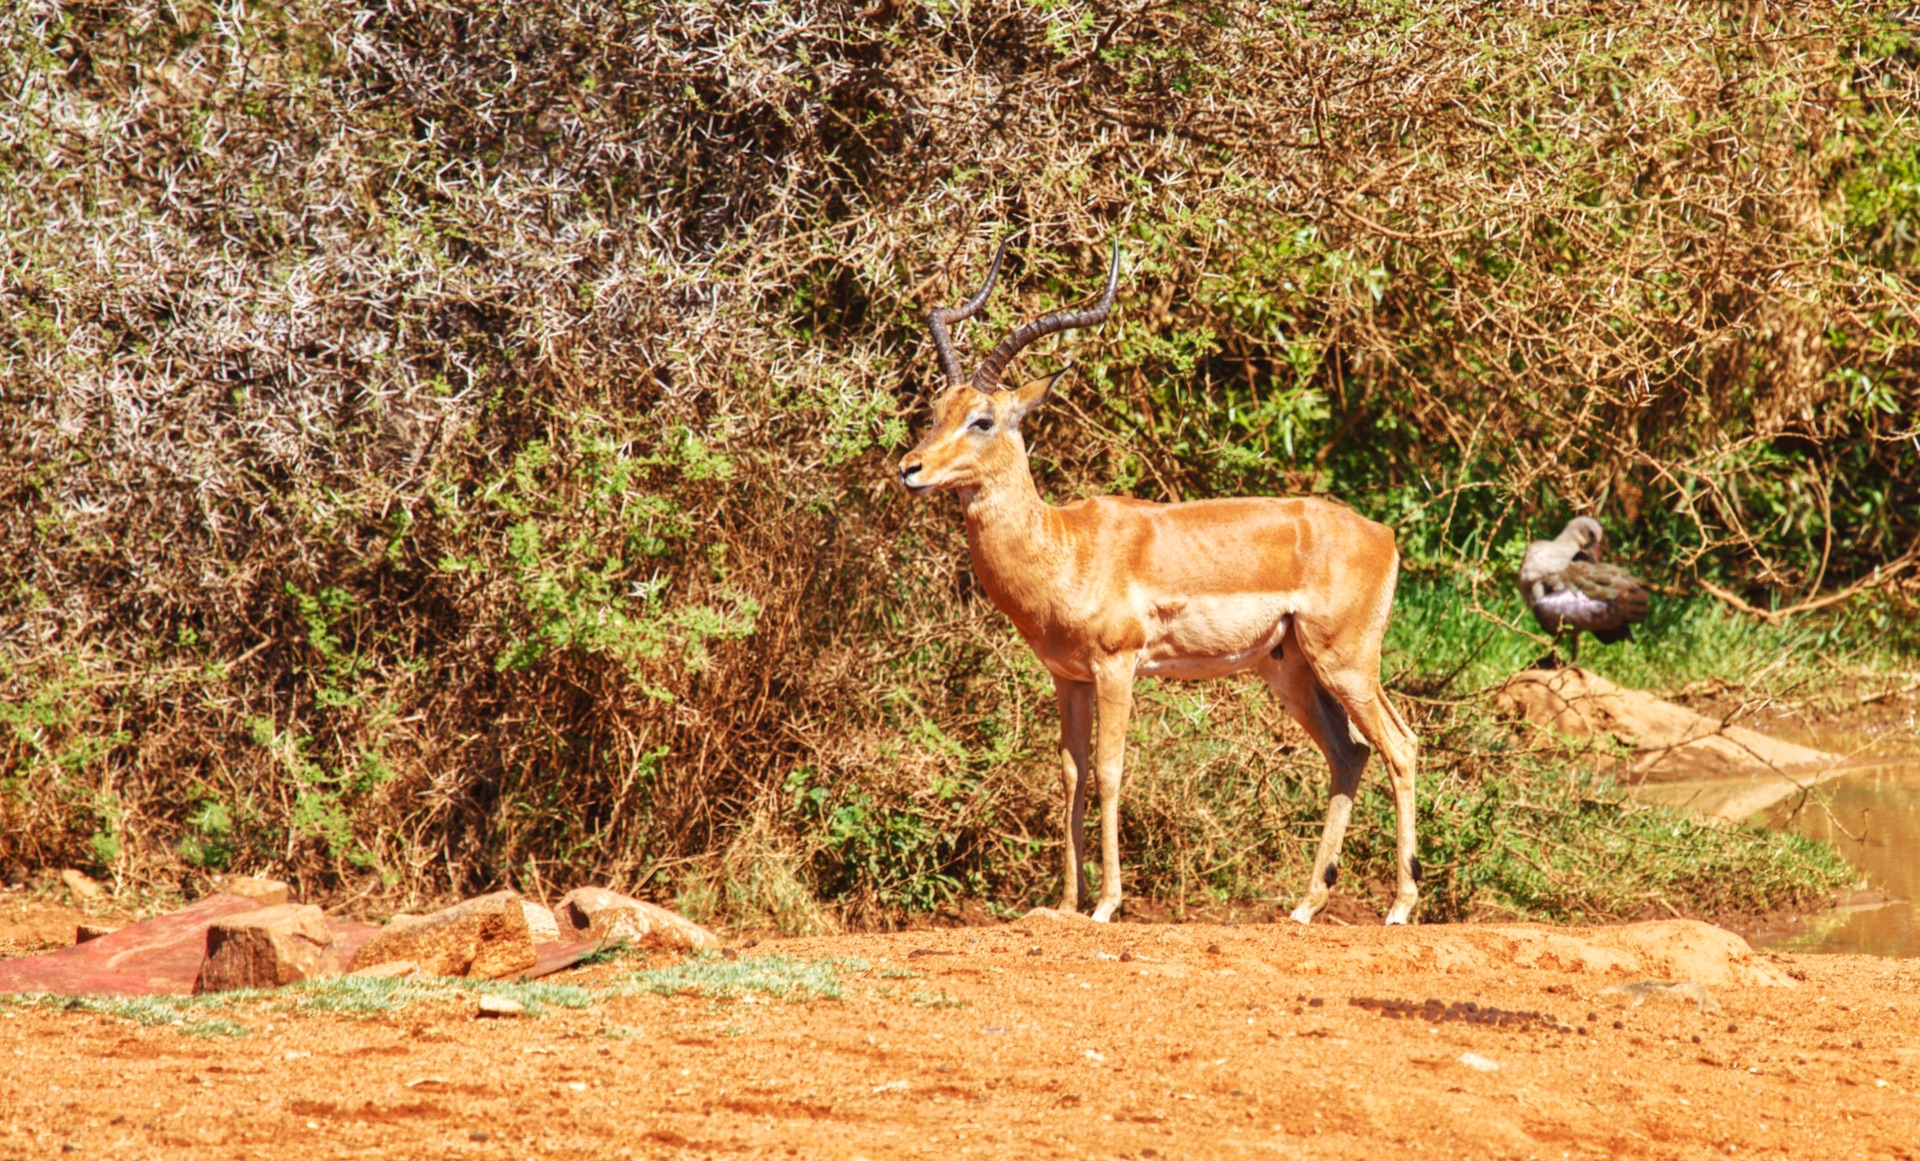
(1205, 1043)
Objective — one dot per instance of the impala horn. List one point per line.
(988, 376)
(941, 316)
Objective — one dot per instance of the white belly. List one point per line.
(1200, 668)
(1214, 639)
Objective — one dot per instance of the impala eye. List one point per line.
(984, 423)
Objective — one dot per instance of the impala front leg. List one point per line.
(1113, 687)
(1076, 733)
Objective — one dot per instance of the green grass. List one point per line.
(1448, 639)
(215, 1028)
(1535, 834)
(793, 980)
(347, 995)
(359, 995)
(772, 975)
(621, 1032)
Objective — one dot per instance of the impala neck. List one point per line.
(1006, 501)
(1009, 538)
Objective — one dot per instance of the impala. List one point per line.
(1109, 589)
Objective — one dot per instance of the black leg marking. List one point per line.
(1333, 873)
(1413, 866)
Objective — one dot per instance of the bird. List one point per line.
(1571, 590)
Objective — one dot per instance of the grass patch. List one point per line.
(935, 999)
(773, 975)
(1449, 639)
(729, 1031)
(348, 995)
(183, 1013)
(359, 995)
(1538, 837)
(621, 1032)
(215, 1029)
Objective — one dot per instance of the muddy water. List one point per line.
(1872, 818)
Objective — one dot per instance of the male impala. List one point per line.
(1107, 589)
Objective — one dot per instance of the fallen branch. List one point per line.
(1777, 616)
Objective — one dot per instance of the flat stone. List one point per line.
(266, 892)
(82, 886)
(268, 948)
(484, 938)
(88, 932)
(499, 1008)
(154, 957)
(603, 915)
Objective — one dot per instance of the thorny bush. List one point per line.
(445, 444)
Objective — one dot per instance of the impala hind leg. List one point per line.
(1326, 723)
(1075, 699)
(1365, 702)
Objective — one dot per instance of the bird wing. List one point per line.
(1614, 601)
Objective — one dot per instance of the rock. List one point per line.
(154, 957)
(1669, 743)
(595, 912)
(675, 932)
(393, 969)
(88, 932)
(82, 887)
(500, 1008)
(266, 892)
(267, 948)
(484, 938)
(541, 924)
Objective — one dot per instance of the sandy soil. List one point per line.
(1046, 1038)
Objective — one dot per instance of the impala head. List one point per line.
(976, 422)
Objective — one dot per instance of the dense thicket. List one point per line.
(448, 443)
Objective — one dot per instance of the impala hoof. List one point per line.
(1400, 916)
(1303, 914)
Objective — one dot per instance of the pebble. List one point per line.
(499, 1007)
(84, 889)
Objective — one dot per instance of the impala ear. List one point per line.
(1033, 393)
